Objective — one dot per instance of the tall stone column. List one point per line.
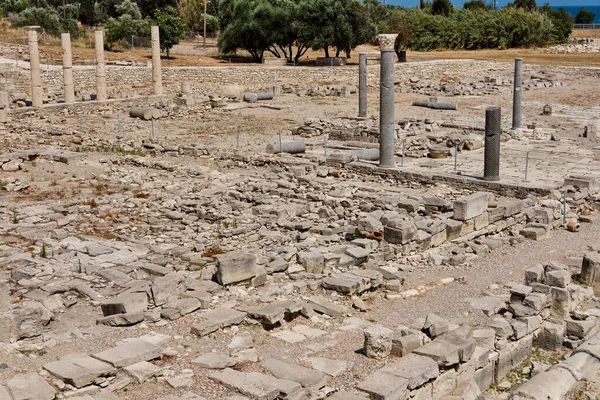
(156, 70)
(493, 118)
(517, 93)
(67, 68)
(386, 102)
(100, 67)
(37, 91)
(362, 85)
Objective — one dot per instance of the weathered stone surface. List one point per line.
(255, 385)
(581, 365)
(471, 206)
(312, 261)
(448, 350)
(327, 365)
(383, 386)
(30, 386)
(400, 233)
(217, 319)
(308, 378)
(550, 385)
(404, 344)
(80, 371)
(435, 325)
(378, 341)
(560, 278)
(534, 274)
(590, 271)
(512, 355)
(142, 371)
(322, 305)
(418, 370)
(236, 266)
(122, 319)
(214, 361)
(130, 353)
(29, 319)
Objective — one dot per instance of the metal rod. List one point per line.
(15, 113)
(565, 207)
(31, 119)
(119, 124)
(325, 146)
(280, 141)
(80, 129)
(195, 136)
(526, 165)
(238, 138)
(403, 150)
(455, 157)
(152, 127)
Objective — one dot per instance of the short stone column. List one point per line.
(37, 92)
(362, 85)
(493, 118)
(100, 67)
(156, 68)
(386, 102)
(517, 93)
(69, 87)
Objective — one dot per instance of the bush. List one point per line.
(172, 28)
(120, 31)
(45, 18)
(585, 16)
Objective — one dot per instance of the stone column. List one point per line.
(156, 70)
(386, 102)
(517, 93)
(362, 85)
(67, 68)
(493, 118)
(37, 91)
(100, 67)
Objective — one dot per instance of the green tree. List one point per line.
(149, 7)
(529, 5)
(87, 13)
(476, 5)
(121, 30)
(562, 20)
(585, 16)
(441, 7)
(171, 27)
(130, 8)
(47, 18)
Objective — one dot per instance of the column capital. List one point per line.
(387, 42)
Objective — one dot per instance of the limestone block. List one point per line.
(236, 266)
(469, 207)
(378, 341)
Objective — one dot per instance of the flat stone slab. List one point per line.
(324, 306)
(343, 395)
(469, 207)
(383, 386)
(308, 378)
(254, 385)
(79, 372)
(214, 361)
(267, 314)
(142, 371)
(289, 336)
(130, 353)
(417, 369)
(308, 331)
(448, 350)
(327, 365)
(30, 386)
(217, 319)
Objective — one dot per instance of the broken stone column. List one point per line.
(386, 101)
(156, 70)
(36, 77)
(491, 171)
(362, 85)
(100, 68)
(67, 68)
(517, 92)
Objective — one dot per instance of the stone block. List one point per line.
(404, 344)
(312, 261)
(581, 366)
(502, 328)
(378, 341)
(484, 337)
(401, 233)
(533, 323)
(549, 385)
(580, 329)
(512, 355)
(308, 378)
(217, 319)
(448, 350)
(79, 371)
(236, 266)
(484, 377)
(4, 296)
(534, 274)
(125, 303)
(469, 207)
(29, 320)
(560, 278)
(142, 371)
(561, 303)
(383, 386)
(435, 325)
(551, 336)
(254, 385)
(130, 353)
(323, 306)
(590, 271)
(417, 369)
(214, 361)
(30, 386)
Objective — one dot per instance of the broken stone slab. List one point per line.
(384, 386)
(312, 261)
(125, 303)
(29, 320)
(217, 319)
(214, 361)
(417, 369)
(323, 306)
(469, 207)
(30, 386)
(268, 315)
(289, 336)
(489, 305)
(129, 353)
(167, 288)
(590, 271)
(343, 395)
(180, 307)
(435, 325)
(142, 371)
(236, 266)
(378, 341)
(254, 385)
(327, 365)
(549, 385)
(559, 278)
(448, 350)
(581, 366)
(80, 371)
(308, 378)
(122, 319)
(404, 344)
(402, 232)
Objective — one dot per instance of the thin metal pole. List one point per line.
(152, 127)
(238, 138)
(205, 9)
(403, 150)
(80, 129)
(15, 113)
(565, 207)
(119, 124)
(31, 119)
(526, 165)
(132, 45)
(280, 142)
(325, 146)
(455, 157)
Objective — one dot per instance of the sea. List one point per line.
(575, 9)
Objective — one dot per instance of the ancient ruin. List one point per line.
(239, 232)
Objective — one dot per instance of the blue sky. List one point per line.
(503, 2)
